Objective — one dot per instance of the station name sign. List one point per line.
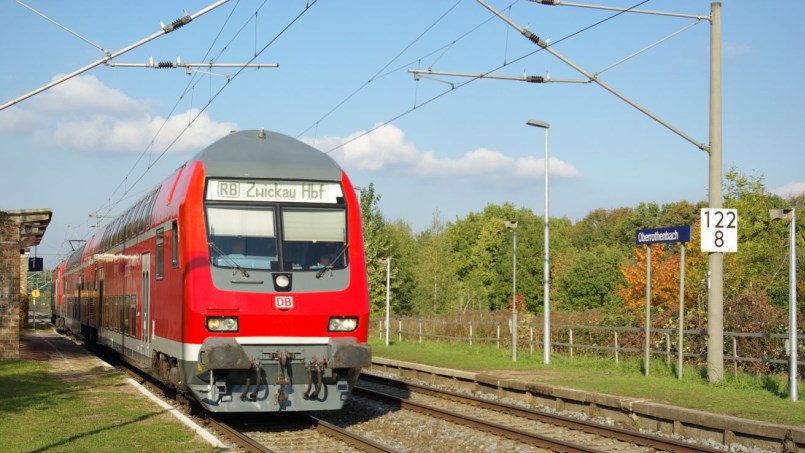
(663, 235)
(273, 191)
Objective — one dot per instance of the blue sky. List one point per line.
(451, 145)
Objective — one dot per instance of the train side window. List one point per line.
(125, 314)
(159, 265)
(175, 245)
(135, 218)
(141, 216)
(118, 321)
(150, 208)
(133, 315)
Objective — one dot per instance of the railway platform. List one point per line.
(70, 362)
(635, 413)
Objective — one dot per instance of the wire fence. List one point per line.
(770, 349)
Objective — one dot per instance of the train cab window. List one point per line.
(313, 238)
(242, 237)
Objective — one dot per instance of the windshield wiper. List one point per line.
(229, 258)
(338, 255)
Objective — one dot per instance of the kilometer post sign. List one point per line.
(719, 230)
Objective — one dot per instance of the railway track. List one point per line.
(385, 415)
(534, 428)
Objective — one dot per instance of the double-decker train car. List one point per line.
(240, 280)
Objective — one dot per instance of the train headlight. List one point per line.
(342, 324)
(222, 324)
(282, 281)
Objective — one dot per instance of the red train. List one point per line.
(240, 280)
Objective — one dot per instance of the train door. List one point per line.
(146, 300)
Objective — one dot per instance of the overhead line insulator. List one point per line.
(164, 64)
(535, 79)
(177, 24)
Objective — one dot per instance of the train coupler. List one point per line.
(318, 368)
(247, 395)
(282, 358)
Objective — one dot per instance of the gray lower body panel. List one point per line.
(229, 377)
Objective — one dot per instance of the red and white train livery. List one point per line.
(240, 280)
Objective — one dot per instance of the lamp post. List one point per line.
(546, 339)
(790, 214)
(512, 225)
(388, 297)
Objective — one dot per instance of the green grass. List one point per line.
(763, 398)
(41, 412)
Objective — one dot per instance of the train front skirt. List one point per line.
(233, 377)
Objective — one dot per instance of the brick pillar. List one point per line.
(9, 291)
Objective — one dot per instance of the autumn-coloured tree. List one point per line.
(664, 278)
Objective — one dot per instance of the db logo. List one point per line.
(283, 302)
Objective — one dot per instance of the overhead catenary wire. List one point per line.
(107, 208)
(455, 87)
(380, 71)
(165, 30)
(543, 45)
(97, 46)
(190, 87)
(420, 73)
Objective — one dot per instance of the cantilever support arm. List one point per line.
(165, 30)
(592, 77)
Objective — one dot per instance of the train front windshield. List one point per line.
(277, 237)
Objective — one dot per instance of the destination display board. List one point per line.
(273, 191)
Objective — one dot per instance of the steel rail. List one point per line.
(482, 425)
(350, 438)
(647, 440)
(242, 441)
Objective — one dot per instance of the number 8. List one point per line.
(719, 242)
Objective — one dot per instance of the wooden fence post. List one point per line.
(531, 340)
(667, 349)
(735, 355)
(571, 344)
(470, 333)
(617, 349)
(498, 335)
(399, 330)
(420, 331)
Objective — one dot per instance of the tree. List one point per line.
(403, 250)
(436, 289)
(664, 277)
(591, 280)
(481, 253)
(680, 213)
(601, 226)
(377, 247)
(761, 259)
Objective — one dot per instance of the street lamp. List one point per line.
(546, 339)
(789, 214)
(512, 225)
(388, 296)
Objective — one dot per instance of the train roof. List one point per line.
(266, 154)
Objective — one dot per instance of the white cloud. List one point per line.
(733, 49)
(386, 148)
(790, 189)
(85, 115)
